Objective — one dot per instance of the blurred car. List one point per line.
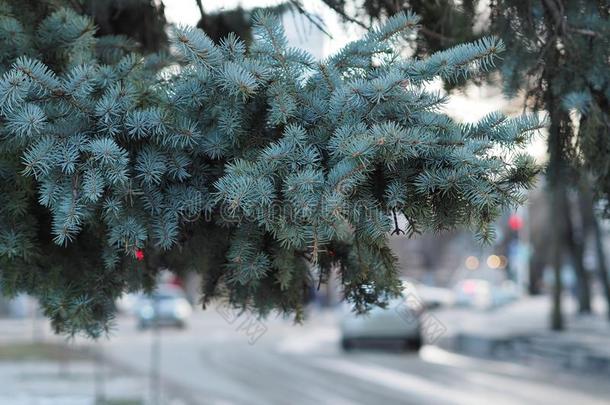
(398, 323)
(167, 306)
(473, 292)
(482, 294)
(434, 297)
(505, 293)
(126, 303)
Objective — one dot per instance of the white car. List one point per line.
(435, 297)
(399, 323)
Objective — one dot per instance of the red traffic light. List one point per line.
(515, 222)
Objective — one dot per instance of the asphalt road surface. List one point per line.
(227, 358)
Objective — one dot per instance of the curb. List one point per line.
(531, 350)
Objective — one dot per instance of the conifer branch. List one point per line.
(252, 164)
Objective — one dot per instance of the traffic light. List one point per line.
(515, 222)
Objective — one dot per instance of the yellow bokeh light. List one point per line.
(503, 262)
(472, 263)
(494, 261)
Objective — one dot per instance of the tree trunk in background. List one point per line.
(142, 20)
(536, 274)
(592, 227)
(557, 256)
(557, 173)
(575, 244)
(602, 267)
(556, 177)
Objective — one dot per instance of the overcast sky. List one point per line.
(301, 32)
(186, 11)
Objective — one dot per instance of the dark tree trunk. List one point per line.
(556, 177)
(559, 137)
(142, 20)
(535, 274)
(557, 258)
(602, 267)
(591, 227)
(575, 244)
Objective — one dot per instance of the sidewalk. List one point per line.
(38, 367)
(520, 332)
(45, 373)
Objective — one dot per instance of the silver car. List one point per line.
(398, 323)
(167, 306)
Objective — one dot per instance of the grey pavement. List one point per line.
(302, 364)
(70, 383)
(240, 360)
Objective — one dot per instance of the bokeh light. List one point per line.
(472, 263)
(493, 261)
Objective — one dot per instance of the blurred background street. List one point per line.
(217, 359)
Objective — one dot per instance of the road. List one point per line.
(234, 359)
